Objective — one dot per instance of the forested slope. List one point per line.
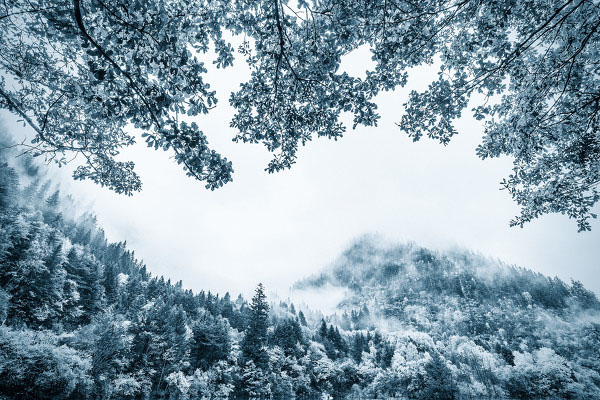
(514, 331)
(82, 318)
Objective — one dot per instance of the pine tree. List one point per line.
(55, 265)
(227, 307)
(41, 193)
(111, 284)
(177, 337)
(438, 380)
(358, 346)
(323, 329)
(31, 189)
(110, 350)
(210, 341)
(301, 318)
(8, 186)
(52, 201)
(85, 272)
(287, 335)
(256, 333)
(254, 381)
(26, 277)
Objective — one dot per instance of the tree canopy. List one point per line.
(81, 71)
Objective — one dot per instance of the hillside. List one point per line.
(445, 299)
(389, 279)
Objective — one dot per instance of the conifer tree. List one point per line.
(256, 333)
(52, 201)
(323, 329)
(31, 189)
(437, 380)
(111, 283)
(210, 341)
(287, 335)
(8, 186)
(302, 318)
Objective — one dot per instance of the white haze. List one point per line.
(279, 228)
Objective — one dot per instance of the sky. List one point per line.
(282, 227)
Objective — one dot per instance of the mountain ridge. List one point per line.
(412, 268)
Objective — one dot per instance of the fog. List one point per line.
(278, 228)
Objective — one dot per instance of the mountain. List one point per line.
(391, 279)
(82, 318)
(459, 300)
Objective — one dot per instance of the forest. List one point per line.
(82, 318)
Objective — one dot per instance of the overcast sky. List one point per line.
(282, 227)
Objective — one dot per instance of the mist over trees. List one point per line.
(81, 318)
(531, 68)
(498, 330)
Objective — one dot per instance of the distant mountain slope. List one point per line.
(388, 279)
(509, 312)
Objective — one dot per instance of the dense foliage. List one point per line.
(533, 66)
(80, 318)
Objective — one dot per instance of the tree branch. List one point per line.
(132, 83)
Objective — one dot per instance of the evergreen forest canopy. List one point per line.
(81, 318)
(82, 72)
